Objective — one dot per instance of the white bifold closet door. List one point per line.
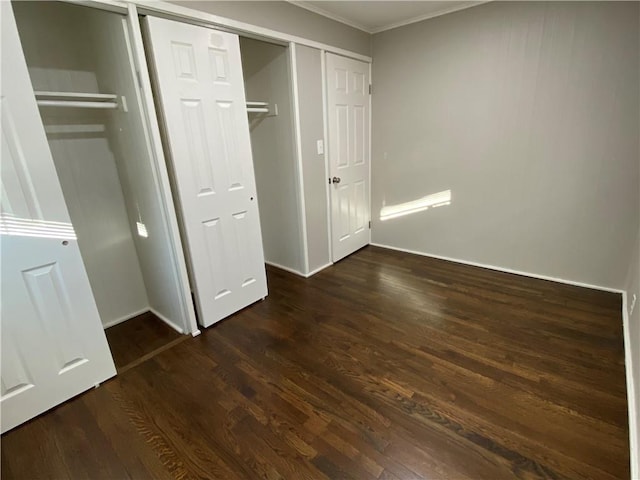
(198, 74)
(53, 344)
(349, 162)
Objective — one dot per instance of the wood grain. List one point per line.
(138, 339)
(384, 366)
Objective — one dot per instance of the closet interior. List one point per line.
(267, 79)
(81, 69)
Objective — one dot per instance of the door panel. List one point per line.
(348, 115)
(18, 191)
(199, 78)
(360, 200)
(53, 345)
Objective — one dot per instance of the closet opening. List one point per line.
(268, 89)
(81, 68)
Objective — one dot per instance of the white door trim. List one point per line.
(297, 138)
(353, 238)
(116, 6)
(631, 390)
(325, 139)
(159, 166)
(189, 15)
(370, 149)
(198, 17)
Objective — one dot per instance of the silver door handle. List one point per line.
(335, 180)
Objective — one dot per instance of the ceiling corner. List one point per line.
(421, 18)
(332, 16)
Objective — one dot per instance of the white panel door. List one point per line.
(198, 73)
(53, 344)
(348, 115)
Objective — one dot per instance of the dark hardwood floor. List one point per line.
(135, 340)
(384, 366)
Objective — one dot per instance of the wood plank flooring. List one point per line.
(138, 338)
(384, 366)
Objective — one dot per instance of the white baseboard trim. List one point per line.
(502, 269)
(167, 321)
(286, 269)
(319, 269)
(631, 392)
(129, 316)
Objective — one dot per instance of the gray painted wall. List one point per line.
(288, 18)
(266, 76)
(528, 114)
(309, 69)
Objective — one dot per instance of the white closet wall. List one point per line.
(267, 78)
(54, 38)
(138, 177)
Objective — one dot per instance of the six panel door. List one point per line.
(53, 344)
(198, 75)
(348, 119)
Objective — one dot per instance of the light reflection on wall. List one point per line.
(434, 200)
(142, 229)
(27, 227)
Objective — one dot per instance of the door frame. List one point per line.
(172, 11)
(198, 17)
(327, 166)
(159, 167)
(297, 140)
(325, 113)
(370, 145)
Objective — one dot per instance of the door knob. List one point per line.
(335, 180)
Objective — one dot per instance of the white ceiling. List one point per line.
(377, 15)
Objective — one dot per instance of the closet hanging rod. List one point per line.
(42, 95)
(257, 110)
(76, 99)
(75, 104)
(257, 104)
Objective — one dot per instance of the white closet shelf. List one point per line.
(76, 99)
